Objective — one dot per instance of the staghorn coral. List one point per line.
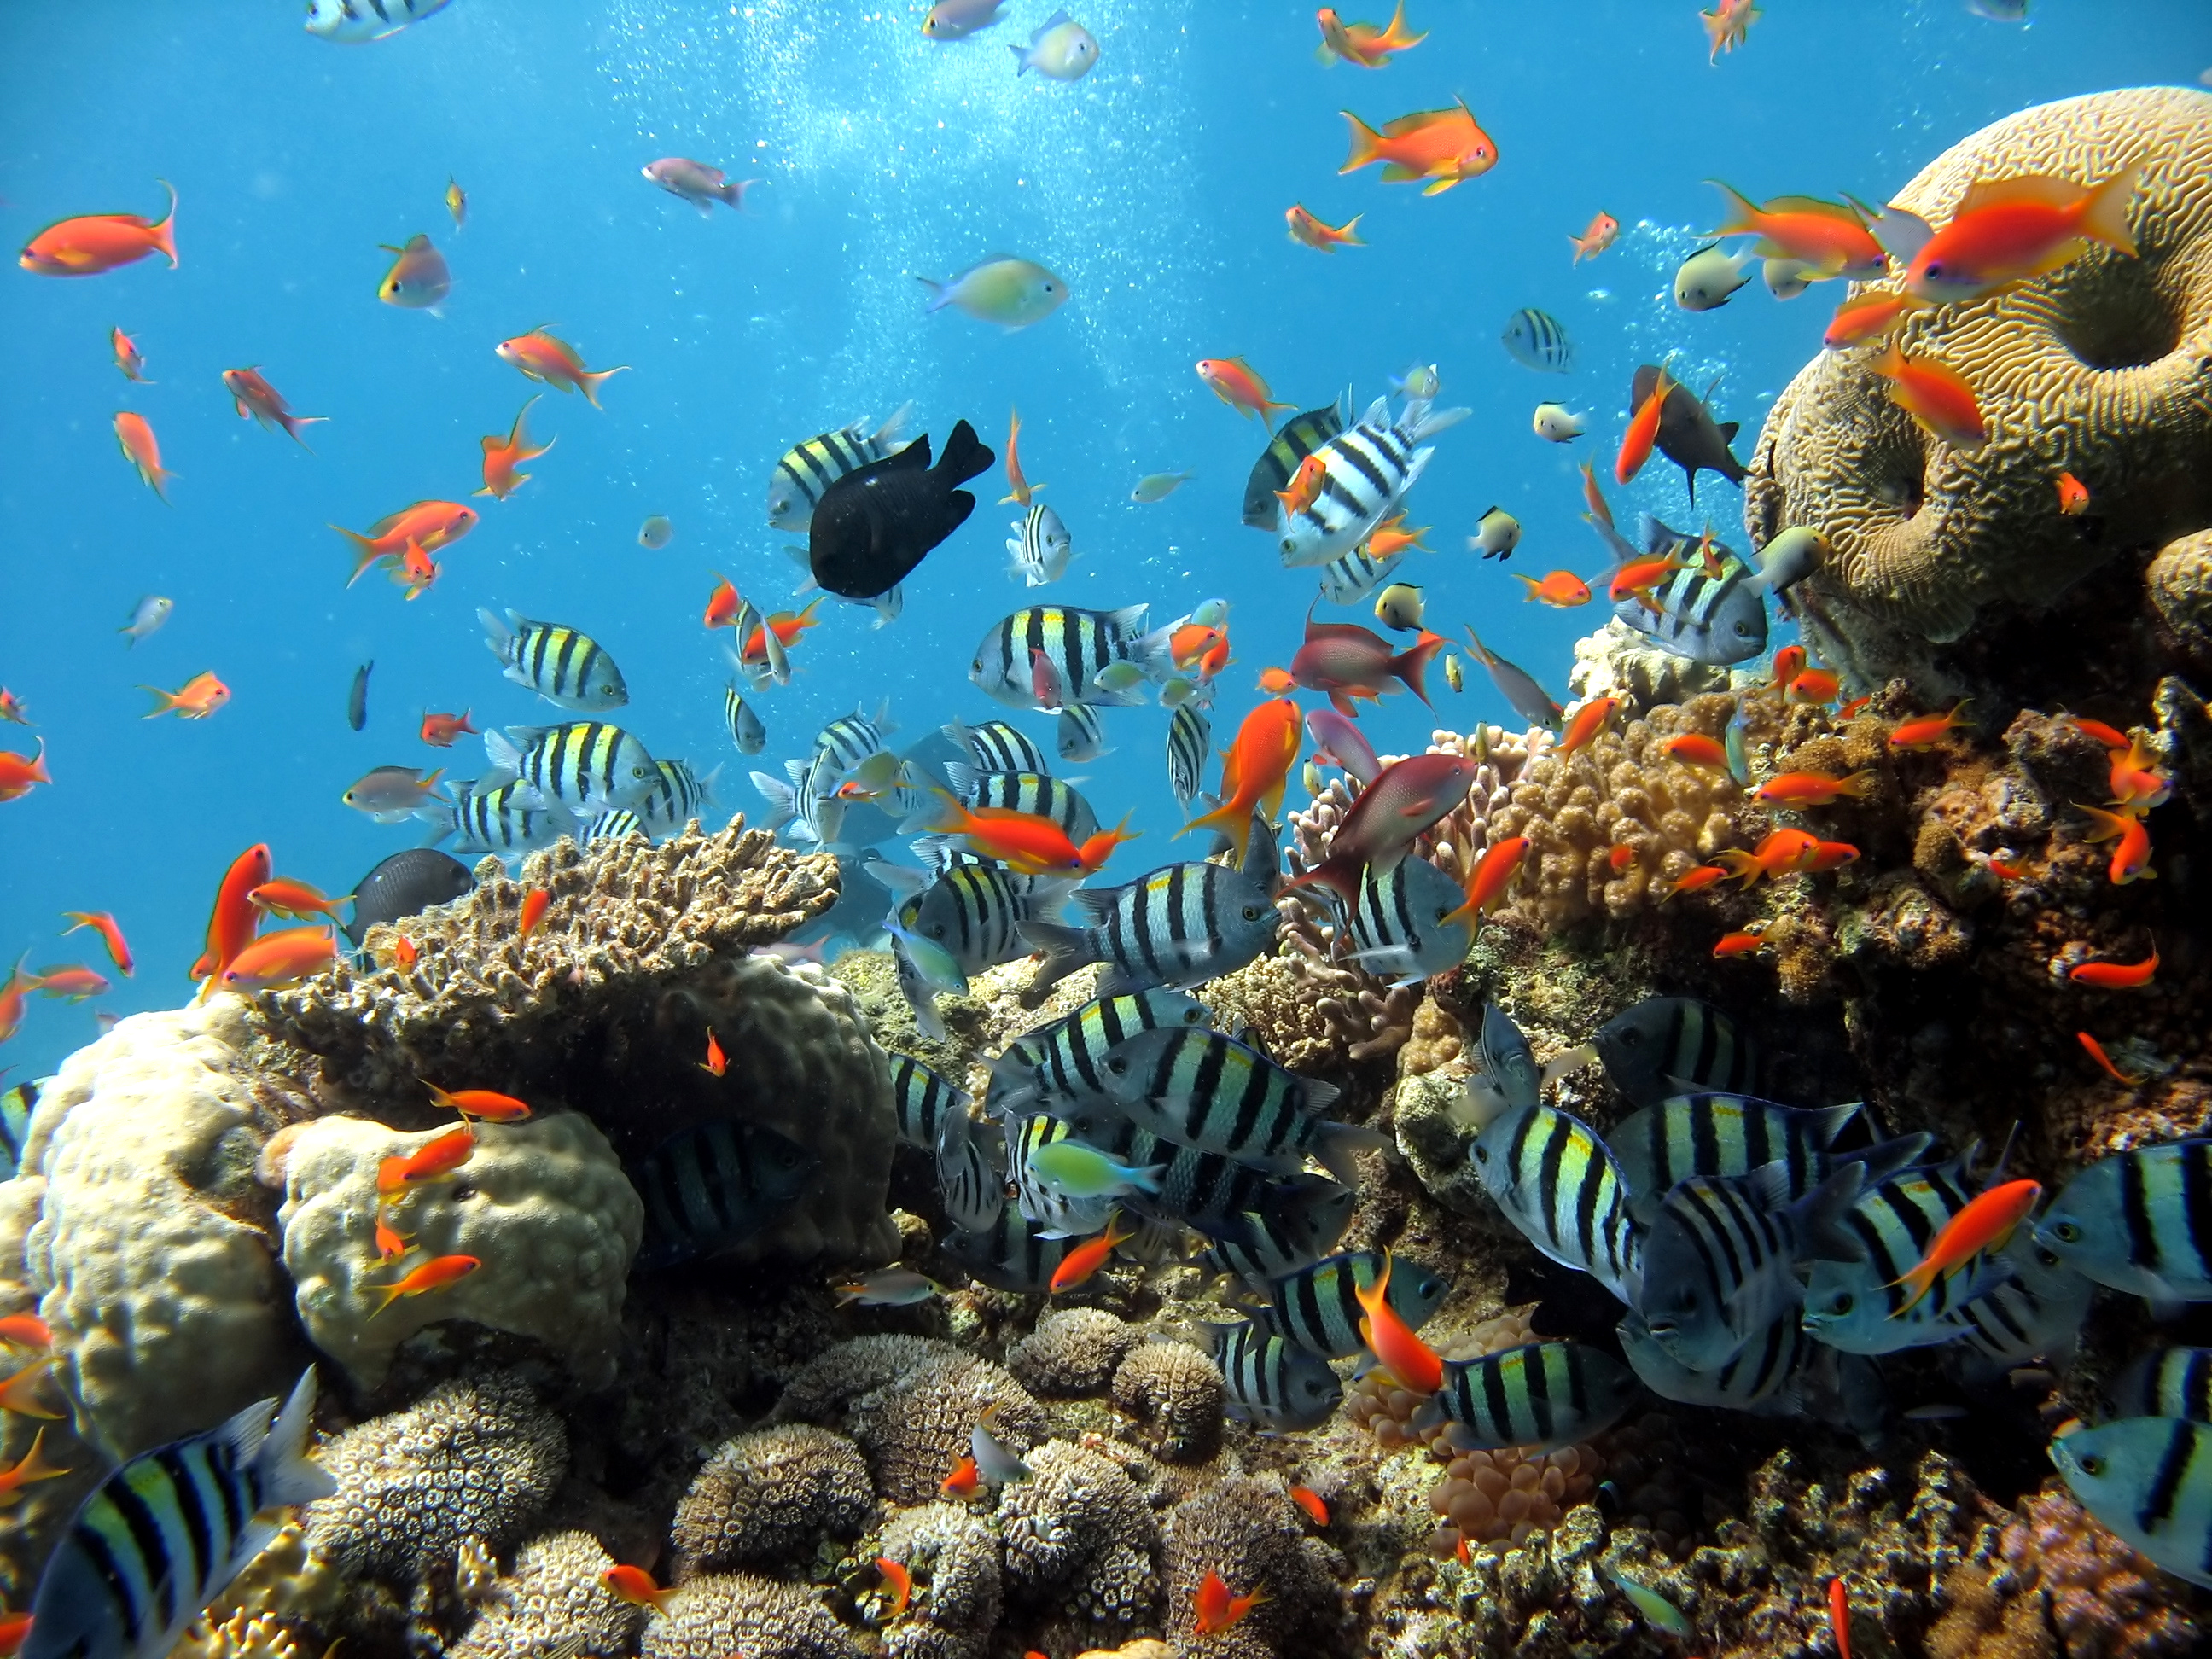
(555, 1596)
(728, 1614)
(2093, 370)
(769, 1496)
(954, 1558)
(473, 1459)
(1176, 1394)
(1071, 1353)
(1617, 661)
(1081, 1547)
(1246, 1528)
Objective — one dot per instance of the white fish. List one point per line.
(1554, 423)
(1159, 486)
(1497, 534)
(956, 19)
(697, 183)
(1706, 280)
(1351, 579)
(1040, 547)
(1062, 49)
(355, 22)
(147, 616)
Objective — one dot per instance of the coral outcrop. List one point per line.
(1082, 1547)
(1073, 1350)
(727, 1613)
(954, 1559)
(1247, 1530)
(1175, 1393)
(557, 1594)
(769, 1497)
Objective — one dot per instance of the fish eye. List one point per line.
(2092, 1464)
(2046, 1256)
(1252, 913)
(2067, 1232)
(1289, 545)
(1843, 1303)
(1481, 1153)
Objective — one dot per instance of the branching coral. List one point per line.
(768, 1496)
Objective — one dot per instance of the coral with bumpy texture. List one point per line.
(1617, 661)
(2180, 581)
(728, 1614)
(831, 1381)
(1271, 1000)
(472, 1459)
(2104, 1599)
(770, 1495)
(1072, 1351)
(1247, 1530)
(242, 1636)
(2093, 370)
(556, 1594)
(954, 1559)
(543, 1205)
(915, 1429)
(1081, 1545)
(1176, 1394)
(160, 1292)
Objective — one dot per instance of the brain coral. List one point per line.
(2096, 369)
(470, 1460)
(728, 1614)
(543, 1205)
(554, 1593)
(766, 1496)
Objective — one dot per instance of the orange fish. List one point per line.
(1823, 239)
(1278, 681)
(2008, 872)
(2139, 784)
(1984, 1224)
(1493, 874)
(19, 772)
(717, 1063)
(1021, 489)
(1309, 232)
(1830, 856)
(1443, 145)
(12, 708)
(479, 1103)
(2073, 496)
(198, 698)
(534, 903)
(1191, 643)
(390, 1241)
(434, 524)
(1779, 854)
(1077, 1267)
(20, 1393)
(1814, 685)
(1869, 318)
(788, 625)
(415, 571)
(231, 922)
(14, 1630)
(143, 452)
(1643, 433)
(635, 1585)
(1363, 43)
(1726, 26)
(2131, 855)
(1620, 858)
(1391, 536)
(1397, 1349)
(1586, 723)
(32, 1468)
(403, 951)
(73, 984)
(101, 241)
(1215, 1608)
(2006, 230)
(965, 1481)
(2116, 975)
(110, 934)
(1596, 239)
(1562, 588)
(898, 1580)
(2111, 737)
(501, 456)
(1695, 749)
(1029, 842)
(1839, 1618)
(2097, 1053)
(1918, 735)
(26, 1330)
(1935, 396)
(439, 731)
(1310, 1501)
(282, 896)
(1238, 385)
(542, 357)
(434, 1274)
(1636, 579)
(1693, 881)
(1260, 758)
(434, 1160)
(1749, 942)
(722, 605)
(1304, 487)
(1788, 663)
(127, 356)
(1855, 704)
(15, 998)
(1593, 498)
(281, 958)
(1812, 788)
(251, 391)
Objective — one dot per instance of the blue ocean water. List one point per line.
(1156, 186)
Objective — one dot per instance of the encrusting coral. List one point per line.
(557, 1594)
(1176, 1394)
(2093, 370)
(727, 1613)
(1082, 1547)
(953, 1558)
(1073, 1350)
(769, 1496)
(1617, 661)
(1247, 1530)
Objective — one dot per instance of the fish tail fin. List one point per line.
(1411, 665)
(1855, 785)
(1366, 144)
(1395, 35)
(1232, 819)
(293, 422)
(34, 1466)
(366, 552)
(965, 456)
(2104, 214)
(1338, 1145)
(782, 800)
(940, 293)
(590, 380)
(1744, 213)
(1348, 235)
(1065, 948)
(165, 233)
(1740, 865)
(288, 1474)
(163, 702)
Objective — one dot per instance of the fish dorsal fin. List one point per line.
(1729, 429)
(1813, 205)
(1378, 413)
(2038, 188)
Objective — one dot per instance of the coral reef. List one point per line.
(1617, 661)
(1176, 1394)
(1246, 1528)
(954, 1558)
(2093, 370)
(2102, 1598)
(1082, 1547)
(728, 1614)
(554, 1596)
(769, 1497)
(543, 1205)
(1072, 1351)
(2180, 583)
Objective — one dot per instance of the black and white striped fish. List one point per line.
(746, 730)
(1665, 1046)
(1179, 926)
(1010, 1255)
(2035, 1314)
(1366, 472)
(553, 659)
(1066, 1059)
(1021, 792)
(1712, 609)
(710, 1188)
(159, 1538)
(999, 746)
(586, 765)
(975, 913)
(1763, 1376)
(1557, 1182)
(807, 804)
(1723, 1134)
(1536, 339)
(1316, 1308)
(680, 796)
(1202, 1190)
(1067, 649)
(968, 1181)
(1268, 1381)
(1538, 1397)
(1200, 1089)
(1724, 1257)
(614, 826)
(810, 467)
(847, 741)
(1040, 547)
(1858, 1306)
(1293, 440)
(509, 818)
(1350, 578)
(1397, 924)
(2149, 1480)
(2140, 1222)
(1190, 738)
(1296, 1229)
(2169, 1383)
(921, 1096)
(1080, 737)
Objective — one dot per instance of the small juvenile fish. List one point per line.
(1399, 607)
(418, 279)
(357, 697)
(1600, 235)
(1010, 292)
(127, 356)
(994, 1462)
(1662, 1614)
(1159, 486)
(457, 202)
(1555, 423)
(888, 1287)
(698, 184)
(1497, 534)
(635, 1586)
(1310, 232)
(1708, 278)
(655, 534)
(1216, 1608)
(1073, 1170)
(956, 19)
(1062, 49)
(147, 616)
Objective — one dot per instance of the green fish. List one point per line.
(1010, 292)
(1652, 1605)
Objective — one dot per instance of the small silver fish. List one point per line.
(655, 534)
(147, 616)
(747, 729)
(1159, 486)
(888, 1287)
(1421, 381)
(993, 1460)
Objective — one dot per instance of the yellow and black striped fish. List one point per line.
(999, 746)
(1760, 1378)
(559, 664)
(1012, 1255)
(1295, 439)
(810, 467)
(714, 1186)
(1190, 738)
(1025, 791)
(508, 819)
(1667, 1046)
(1064, 649)
(2140, 1222)
(1269, 1382)
(586, 765)
(1258, 1245)
(1540, 1397)
(922, 1098)
(1317, 1308)
(1065, 1058)
(1557, 1182)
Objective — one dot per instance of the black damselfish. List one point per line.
(874, 526)
(1688, 434)
(406, 884)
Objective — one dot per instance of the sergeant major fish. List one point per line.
(1557, 1182)
(1297, 438)
(1179, 926)
(1073, 646)
(1540, 1397)
(999, 746)
(679, 796)
(922, 1098)
(1536, 340)
(1024, 791)
(1316, 1308)
(1366, 472)
(810, 467)
(2135, 1221)
(559, 664)
(1403, 922)
(1200, 1089)
(1694, 613)
(1270, 1383)
(806, 803)
(1189, 735)
(708, 1189)
(1040, 548)
(2149, 1480)
(968, 1181)
(581, 765)
(355, 23)
(1080, 737)
(508, 819)
(1066, 1059)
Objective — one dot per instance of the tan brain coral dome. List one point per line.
(2102, 369)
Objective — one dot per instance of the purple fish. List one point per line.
(1405, 801)
(1340, 744)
